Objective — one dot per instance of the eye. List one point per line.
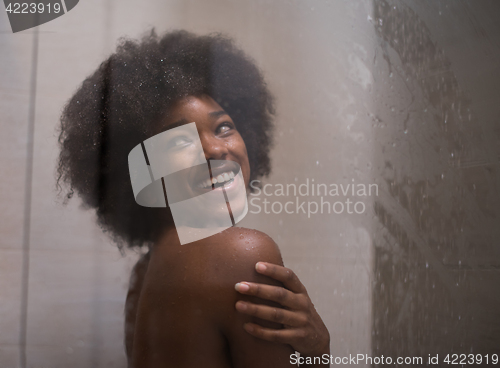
(178, 142)
(224, 127)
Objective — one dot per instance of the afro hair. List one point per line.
(121, 103)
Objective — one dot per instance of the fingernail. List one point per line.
(260, 267)
(242, 306)
(248, 327)
(241, 287)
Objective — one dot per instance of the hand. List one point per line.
(304, 330)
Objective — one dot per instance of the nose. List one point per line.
(214, 148)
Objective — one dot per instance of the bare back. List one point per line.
(186, 310)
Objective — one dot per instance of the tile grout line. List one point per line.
(27, 205)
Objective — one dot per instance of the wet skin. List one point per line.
(181, 303)
(186, 315)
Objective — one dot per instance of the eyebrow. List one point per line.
(217, 114)
(214, 114)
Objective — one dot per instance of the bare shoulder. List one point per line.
(222, 259)
(249, 245)
(236, 251)
(188, 301)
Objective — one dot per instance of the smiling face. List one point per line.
(222, 146)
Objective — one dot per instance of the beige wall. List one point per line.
(316, 56)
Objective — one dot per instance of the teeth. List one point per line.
(220, 179)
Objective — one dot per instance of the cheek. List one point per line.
(239, 149)
(242, 155)
(182, 159)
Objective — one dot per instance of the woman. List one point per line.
(182, 309)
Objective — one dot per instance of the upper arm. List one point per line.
(245, 349)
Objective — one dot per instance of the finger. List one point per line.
(286, 336)
(272, 314)
(283, 274)
(274, 293)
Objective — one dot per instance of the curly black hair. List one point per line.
(121, 103)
